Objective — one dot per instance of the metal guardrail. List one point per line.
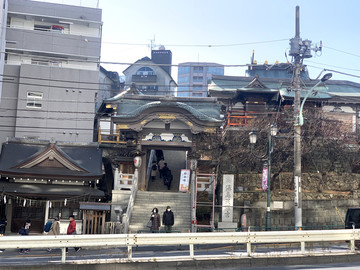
(280, 228)
(174, 239)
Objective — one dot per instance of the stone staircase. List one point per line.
(145, 201)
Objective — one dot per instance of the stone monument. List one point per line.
(227, 223)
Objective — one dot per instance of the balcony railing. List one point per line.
(144, 78)
(239, 118)
(117, 138)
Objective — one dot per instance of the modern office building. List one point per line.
(193, 78)
(51, 72)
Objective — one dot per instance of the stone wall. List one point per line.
(325, 199)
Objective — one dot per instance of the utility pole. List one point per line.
(299, 49)
(297, 130)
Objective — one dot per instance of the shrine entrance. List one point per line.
(176, 161)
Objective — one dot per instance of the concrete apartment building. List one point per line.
(193, 78)
(51, 71)
(3, 13)
(152, 76)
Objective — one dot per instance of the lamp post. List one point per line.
(272, 131)
(299, 121)
(323, 79)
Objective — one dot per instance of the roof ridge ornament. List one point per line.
(256, 83)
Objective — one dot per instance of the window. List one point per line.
(183, 70)
(198, 69)
(40, 27)
(34, 100)
(147, 87)
(183, 79)
(45, 62)
(197, 78)
(145, 71)
(197, 88)
(215, 70)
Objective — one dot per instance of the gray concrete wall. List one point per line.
(8, 103)
(67, 112)
(52, 42)
(55, 10)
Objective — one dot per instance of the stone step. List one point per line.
(145, 201)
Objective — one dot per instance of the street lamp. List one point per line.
(299, 121)
(311, 91)
(272, 131)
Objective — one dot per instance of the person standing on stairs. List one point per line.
(168, 219)
(155, 220)
(161, 166)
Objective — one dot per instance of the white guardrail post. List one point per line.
(191, 248)
(128, 241)
(63, 255)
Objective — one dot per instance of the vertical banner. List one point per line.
(184, 180)
(228, 198)
(264, 182)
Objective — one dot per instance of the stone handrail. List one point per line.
(126, 217)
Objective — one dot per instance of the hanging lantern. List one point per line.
(4, 199)
(65, 201)
(24, 204)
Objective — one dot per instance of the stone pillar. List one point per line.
(227, 204)
(47, 204)
(116, 179)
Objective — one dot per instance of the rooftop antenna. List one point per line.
(152, 43)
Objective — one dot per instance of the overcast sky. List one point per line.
(241, 26)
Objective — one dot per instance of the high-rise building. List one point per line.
(193, 78)
(51, 72)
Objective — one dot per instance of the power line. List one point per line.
(337, 50)
(333, 66)
(332, 70)
(200, 45)
(150, 63)
(44, 33)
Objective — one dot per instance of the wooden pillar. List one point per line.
(84, 222)
(103, 222)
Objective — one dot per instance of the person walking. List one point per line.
(54, 230)
(168, 219)
(154, 168)
(25, 231)
(167, 176)
(3, 224)
(155, 220)
(161, 165)
(72, 230)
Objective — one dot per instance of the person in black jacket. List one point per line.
(168, 219)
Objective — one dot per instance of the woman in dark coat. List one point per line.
(155, 220)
